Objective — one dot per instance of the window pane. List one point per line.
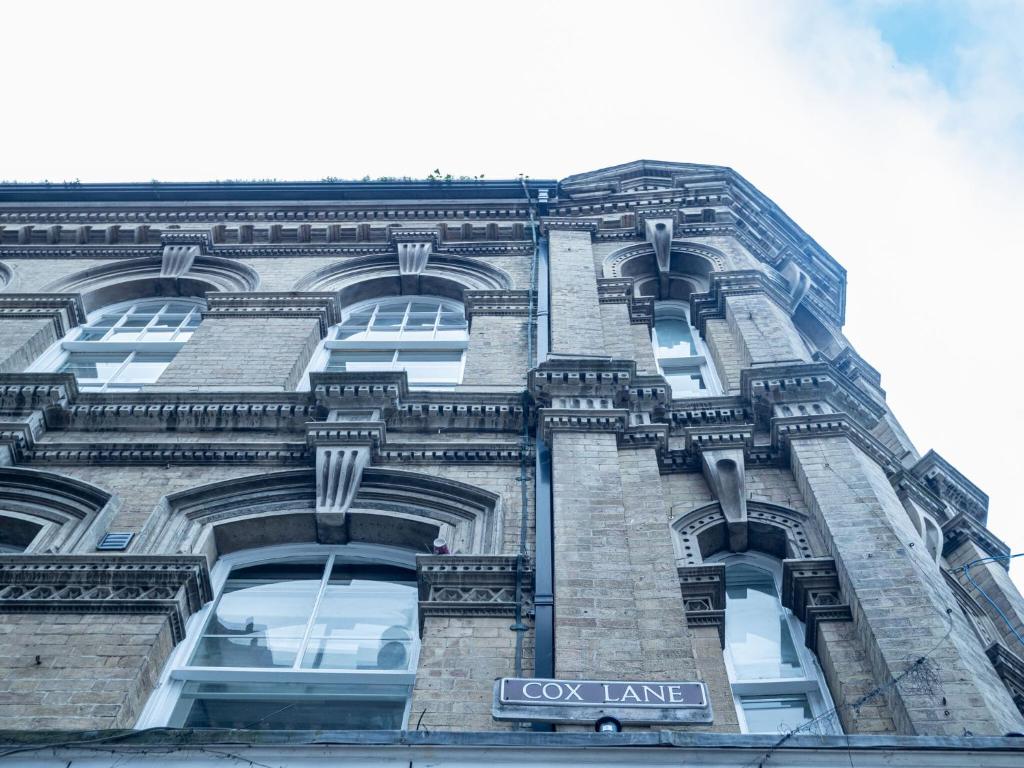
(353, 332)
(291, 707)
(366, 620)
(145, 368)
(756, 632)
(387, 321)
(419, 321)
(92, 334)
(93, 366)
(674, 338)
(425, 306)
(431, 365)
(261, 617)
(370, 360)
(775, 714)
(683, 382)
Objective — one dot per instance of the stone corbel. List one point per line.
(659, 235)
(414, 249)
(343, 451)
(799, 281)
(810, 589)
(181, 249)
(723, 469)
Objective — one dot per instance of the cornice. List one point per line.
(786, 429)
(619, 290)
(551, 420)
(471, 585)
(164, 453)
(569, 224)
(175, 585)
(965, 527)
(744, 282)
(497, 303)
(325, 307)
(582, 377)
(810, 588)
(943, 479)
(1010, 668)
(703, 592)
(65, 310)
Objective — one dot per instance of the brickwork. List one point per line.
(267, 354)
(707, 652)
(76, 671)
(726, 354)
(576, 325)
(763, 332)
(23, 340)
(497, 351)
(614, 322)
(995, 580)
(459, 660)
(849, 679)
(898, 597)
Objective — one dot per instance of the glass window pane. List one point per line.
(387, 321)
(775, 714)
(442, 365)
(675, 338)
(351, 332)
(684, 381)
(350, 360)
(145, 368)
(394, 306)
(757, 635)
(96, 366)
(453, 320)
(366, 620)
(292, 707)
(421, 320)
(179, 307)
(92, 334)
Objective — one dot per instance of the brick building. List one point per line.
(294, 472)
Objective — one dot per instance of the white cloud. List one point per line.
(915, 190)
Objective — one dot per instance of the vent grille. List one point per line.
(115, 542)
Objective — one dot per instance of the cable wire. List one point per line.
(967, 572)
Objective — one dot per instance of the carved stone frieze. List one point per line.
(471, 585)
(810, 588)
(703, 590)
(496, 303)
(114, 584)
(582, 378)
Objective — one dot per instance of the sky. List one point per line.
(892, 131)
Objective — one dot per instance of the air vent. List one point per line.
(115, 542)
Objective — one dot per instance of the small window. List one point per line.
(423, 336)
(682, 358)
(124, 346)
(315, 641)
(776, 681)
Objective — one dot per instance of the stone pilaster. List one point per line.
(901, 607)
(576, 326)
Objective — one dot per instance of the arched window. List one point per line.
(776, 681)
(16, 533)
(124, 346)
(422, 335)
(298, 637)
(682, 358)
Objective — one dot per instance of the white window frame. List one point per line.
(320, 357)
(54, 357)
(698, 363)
(812, 683)
(163, 702)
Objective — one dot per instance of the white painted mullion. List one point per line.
(324, 580)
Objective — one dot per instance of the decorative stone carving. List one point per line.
(953, 488)
(496, 303)
(799, 281)
(703, 589)
(181, 248)
(810, 588)
(412, 261)
(659, 235)
(965, 527)
(470, 585)
(723, 469)
(121, 584)
(343, 451)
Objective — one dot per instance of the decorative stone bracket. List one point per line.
(799, 281)
(723, 469)
(703, 588)
(810, 588)
(126, 584)
(659, 234)
(470, 585)
(414, 249)
(181, 248)
(343, 451)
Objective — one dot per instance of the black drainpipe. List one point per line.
(544, 574)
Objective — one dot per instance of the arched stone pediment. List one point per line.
(392, 507)
(357, 279)
(141, 278)
(57, 511)
(686, 259)
(773, 529)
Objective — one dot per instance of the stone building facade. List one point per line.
(334, 457)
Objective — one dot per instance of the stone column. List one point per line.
(901, 606)
(576, 326)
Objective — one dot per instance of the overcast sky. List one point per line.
(892, 132)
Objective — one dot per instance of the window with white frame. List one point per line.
(124, 346)
(682, 357)
(422, 335)
(298, 638)
(776, 681)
